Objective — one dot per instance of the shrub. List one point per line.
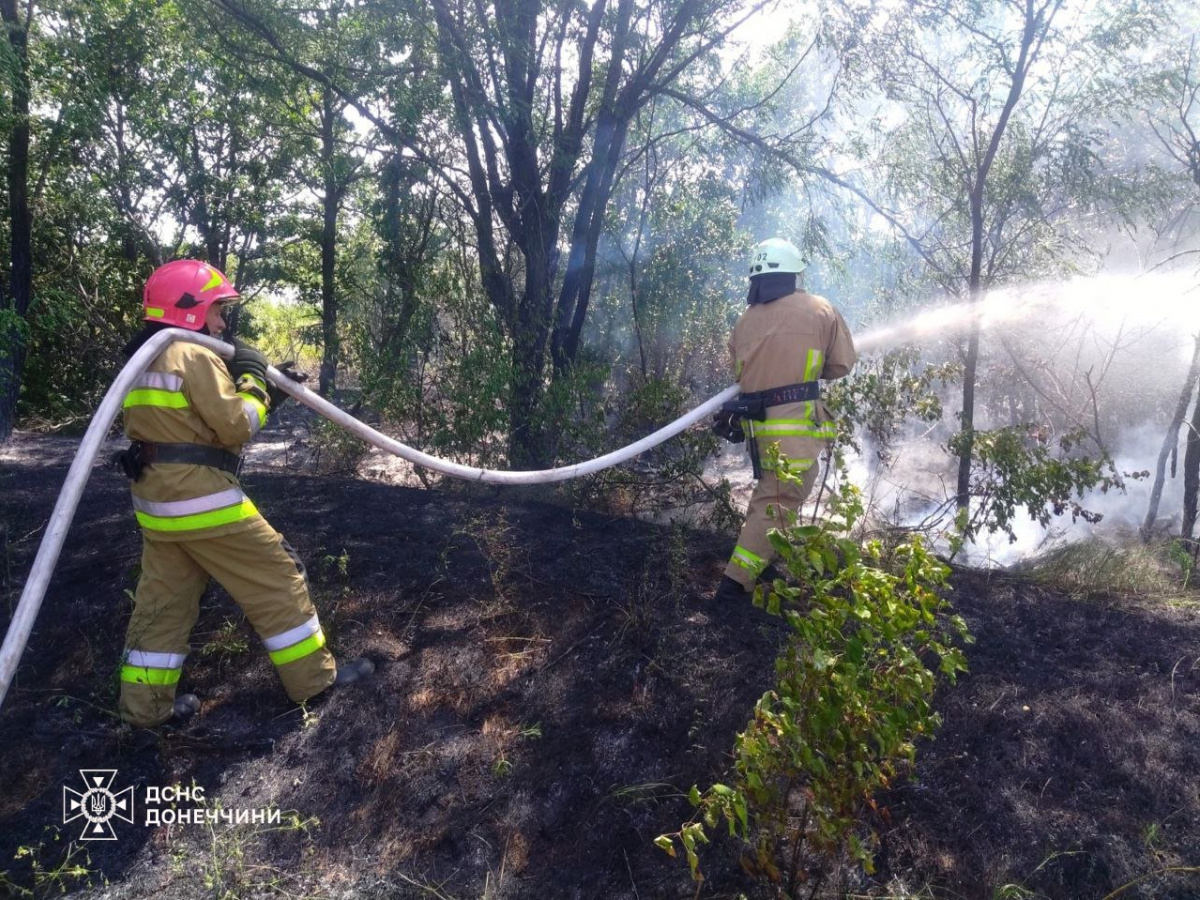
(853, 695)
(1020, 466)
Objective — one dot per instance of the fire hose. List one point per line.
(68, 499)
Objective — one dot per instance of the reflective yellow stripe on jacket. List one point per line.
(256, 410)
(156, 389)
(813, 363)
(208, 511)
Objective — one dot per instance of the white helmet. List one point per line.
(775, 255)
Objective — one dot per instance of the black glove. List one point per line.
(729, 426)
(287, 368)
(248, 361)
(278, 396)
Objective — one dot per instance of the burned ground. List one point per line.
(551, 682)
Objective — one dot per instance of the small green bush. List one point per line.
(337, 450)
(1021, 467)
(852, 697)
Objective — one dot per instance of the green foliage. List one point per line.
(226, 642)
(336, 450)
(570, 416)
(226, 865)
(885, 392)
(663, 310)
(649, 405)
(283, 331)
(447, 375)
(667, 477)
(86, 305)
(852, 697)
(13, 330)
(1020, 466)
(1183, 557)
(333, 568)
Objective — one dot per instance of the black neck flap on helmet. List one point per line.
(770, 286)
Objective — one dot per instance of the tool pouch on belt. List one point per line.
(130, 461)
(728, 424)
(754, 406)
(140, 454)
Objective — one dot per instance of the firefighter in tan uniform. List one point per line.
(784, 344)
(188, 416)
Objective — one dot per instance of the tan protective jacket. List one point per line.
(796, 338)
(187, 396)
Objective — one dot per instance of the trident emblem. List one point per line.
(97, 804)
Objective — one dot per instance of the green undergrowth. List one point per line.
(871, 634)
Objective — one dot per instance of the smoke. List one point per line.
(1106, 354)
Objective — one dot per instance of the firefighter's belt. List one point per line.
(788, 393)
(148, 453)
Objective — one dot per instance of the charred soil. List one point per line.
(550, 684)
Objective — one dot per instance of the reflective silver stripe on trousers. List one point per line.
(155, 660)
(173, 508)
(159, 381)
(293, 635)
(252, 415)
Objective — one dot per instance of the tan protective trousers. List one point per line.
(753, 552)
(261, 573)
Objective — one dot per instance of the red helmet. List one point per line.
(181, 292)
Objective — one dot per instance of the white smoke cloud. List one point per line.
(1108, 349)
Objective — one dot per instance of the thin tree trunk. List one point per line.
(1037, 25)
(576, 289)
(1170, 442)
(1191, 476)
(12, 341)
(329, 304)
(971, 363)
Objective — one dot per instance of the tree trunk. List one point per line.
(971, 362)
(581, 270)
(15, 306)
(329, 304)
(1191, 476)
(526, 449)
(1170, 442)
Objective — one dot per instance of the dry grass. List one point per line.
(1099, 566)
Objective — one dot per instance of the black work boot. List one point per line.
(770, 573)
(186, 706)
(729, 591)
(354, 671)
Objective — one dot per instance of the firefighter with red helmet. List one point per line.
(187, 417)
(785, 343)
